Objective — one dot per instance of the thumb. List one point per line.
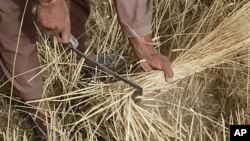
(168, 72)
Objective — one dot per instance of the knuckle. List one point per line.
(54, 27)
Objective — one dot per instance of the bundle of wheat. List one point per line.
(227, 42)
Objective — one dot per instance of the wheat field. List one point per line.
(208, 42)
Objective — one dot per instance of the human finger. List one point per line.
(145, 66)
(47, 31)
(167, 69)
(64, 37)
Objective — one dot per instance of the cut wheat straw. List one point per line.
(229, 40)
(106, 110)
(113, 115)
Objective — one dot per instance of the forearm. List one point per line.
(135, 16)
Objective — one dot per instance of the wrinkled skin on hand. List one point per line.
(53, 18)
(144, 49)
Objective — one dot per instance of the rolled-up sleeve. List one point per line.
(135, 16)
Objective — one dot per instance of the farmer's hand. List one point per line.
(144, 49)
(53, 17)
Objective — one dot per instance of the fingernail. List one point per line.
(169, 80)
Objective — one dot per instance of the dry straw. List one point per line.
(229, 40)
(106, 111)
(112, 114)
